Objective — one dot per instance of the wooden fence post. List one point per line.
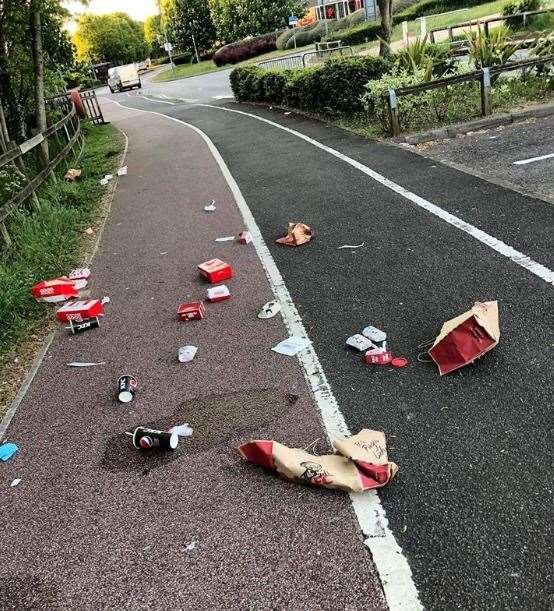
(450, 35)
(393, 112)
(486, 26)
(486, 92)
(405, 35)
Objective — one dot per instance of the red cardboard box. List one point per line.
(80, 277)
(194, 310)
(215, 270)
(78, 311)
(245, 237)
(56, 290)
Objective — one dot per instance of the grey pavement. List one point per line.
(492, 152)
(472, 506)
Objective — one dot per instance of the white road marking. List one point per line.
(504, 249)
(223, 97)
(392, 566)
(533, 159)
(156, 100)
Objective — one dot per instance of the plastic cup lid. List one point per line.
(399, 361)
(125, 396)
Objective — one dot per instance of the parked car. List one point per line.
(123, 77)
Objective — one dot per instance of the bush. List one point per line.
(337, 85)
(160, 60)
(182, 58)
(356, 35)
(520, 6)
(309, 34)
(283, 38)
(245, 49)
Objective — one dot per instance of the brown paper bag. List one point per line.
(363, 464)
(466, 337)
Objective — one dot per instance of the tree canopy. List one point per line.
(187, 19)
(114, 38)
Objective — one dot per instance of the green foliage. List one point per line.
(520, 6)
(356, 35)
(187, 19)
(435, 61)
(114, 38)
(46, 243)
(153, 35)
(237, 19)
(490, 49)
(336, 86)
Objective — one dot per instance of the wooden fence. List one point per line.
(485, 23)
(483, 76)
(64, 137)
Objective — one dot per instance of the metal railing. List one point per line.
(69, 138)
(485, 23)
(483, 76)
(303, 60)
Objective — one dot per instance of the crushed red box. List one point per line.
(55, 290)
(193, 310)
(215, 270)
(77, 311)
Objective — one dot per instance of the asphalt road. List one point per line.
(472, 507)
(495, 153)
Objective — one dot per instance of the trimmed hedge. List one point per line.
(356, 35)
(337, 85)
(245, 49)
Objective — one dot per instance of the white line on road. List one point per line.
(514, 255)
(533, 159)
(156, 100)
(392, 566)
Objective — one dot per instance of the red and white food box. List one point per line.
(215, 270)
(218, 293)
(80, 277)
(193, 310)
(379, 358)
(77, 311)
(245, 237)
(54, 291)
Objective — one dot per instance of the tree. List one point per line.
(114, 38)
(190, 24)
(385, 9)
(236, 19)
(153, 34)
(38, 65)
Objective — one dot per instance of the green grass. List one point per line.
(47, 243)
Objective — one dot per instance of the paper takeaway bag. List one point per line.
(466, 337)
(362, 464)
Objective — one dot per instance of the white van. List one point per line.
(123, 77)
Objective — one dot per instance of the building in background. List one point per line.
(337, 9)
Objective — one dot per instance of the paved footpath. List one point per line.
(472, 505)
(95, 524)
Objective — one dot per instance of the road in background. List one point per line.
(472, 504)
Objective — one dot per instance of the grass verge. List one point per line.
(48, 243)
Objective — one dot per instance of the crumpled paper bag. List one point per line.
(361, 463)
(297, 234)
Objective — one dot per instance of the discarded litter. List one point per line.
(79, 327)
(182, 430)
(245, 237)
(297, 234)
(380, 358)
(193, 310)
(15, 482)
(122, 171)
(187, 354)
(374, 334)
(361, 463)
(72, 174)
(149, 439)
(126, 388)
(228, 238)
(7, 450)
(78, 364)
(190, 546)
(359, 342)
(399, 362)
(105, 300)
(352, 246)
(89, 231)
(292, 345)
(218, 293)
(467, 337)
(79, 311)
(215, 270)
(210, 207)
(54, 291)
(80, 277)
(287, 113)
(270, 309)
